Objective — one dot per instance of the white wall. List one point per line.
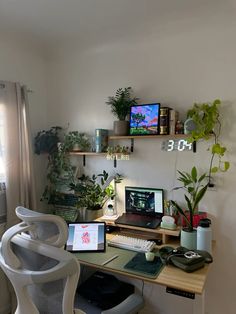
(177, 67)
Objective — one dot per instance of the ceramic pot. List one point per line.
(89, 214)
(121, 127)
(76, 148)
(188, 239)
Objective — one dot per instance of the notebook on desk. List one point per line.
(144, 207)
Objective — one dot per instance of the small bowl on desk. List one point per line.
(150, 256)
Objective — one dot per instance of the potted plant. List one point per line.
(93, 192)
(46, 141)
(60, 172)
(120, 107)
(195, 189)
(76, 141)
(206, 123)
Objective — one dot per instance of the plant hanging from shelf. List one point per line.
(207, 124)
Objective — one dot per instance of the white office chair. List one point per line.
(43, 274)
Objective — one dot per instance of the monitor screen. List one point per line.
(144, 119)
(148, 201)
(86, 237)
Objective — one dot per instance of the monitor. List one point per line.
(144, 119)
(86, 237)
(147, 201)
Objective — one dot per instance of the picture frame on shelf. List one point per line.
(145, 119)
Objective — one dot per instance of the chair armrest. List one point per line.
(130, 305)
(78, 311)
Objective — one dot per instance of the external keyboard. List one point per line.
(132, 244)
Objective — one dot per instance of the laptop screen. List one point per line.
(86, 237)
(147, 201)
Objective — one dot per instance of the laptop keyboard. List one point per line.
(138, 221)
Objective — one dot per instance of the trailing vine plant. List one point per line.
(207, 124)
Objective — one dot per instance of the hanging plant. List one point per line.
(46, 141)
(207, 124)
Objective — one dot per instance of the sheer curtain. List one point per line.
(16, 165)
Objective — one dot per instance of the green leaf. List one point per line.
(216, 102)
(190, 189)
(194, 174)
(226, 166)
(199, 196)
(218, 149)
(180, 210)
(214, 169)
(190, 208)
(202, 178)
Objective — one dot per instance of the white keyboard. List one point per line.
(132, 244)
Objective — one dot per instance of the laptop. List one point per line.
(86, 237)
(144, 207)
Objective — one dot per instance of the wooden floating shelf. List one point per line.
(115, 159)
(87, 153)
(96, 154)
(114, 137)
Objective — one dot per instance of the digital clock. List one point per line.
(176, 144)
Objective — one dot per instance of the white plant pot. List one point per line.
(89, 214)
(188, 239)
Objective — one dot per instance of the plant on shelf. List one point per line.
(93, 192)
(117, 149)
(195, 189)
(60, 172)
(206, 118)
(46, 141)
(120, 107)
(76, 141)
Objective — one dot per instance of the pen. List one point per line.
(109, 260)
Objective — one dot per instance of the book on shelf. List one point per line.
(164, 120)
(173, 117)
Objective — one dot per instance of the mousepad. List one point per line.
(139, 264)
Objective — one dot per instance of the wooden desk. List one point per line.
(169, 276)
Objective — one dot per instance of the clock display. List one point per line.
(176, 144)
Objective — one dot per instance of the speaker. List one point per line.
(189, 126)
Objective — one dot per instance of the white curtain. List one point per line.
(17, 151)
(20, 187)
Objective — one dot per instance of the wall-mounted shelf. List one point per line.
(84, 154)
(130, 137)
(114, 137)
(87, 153)
(144, 137)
